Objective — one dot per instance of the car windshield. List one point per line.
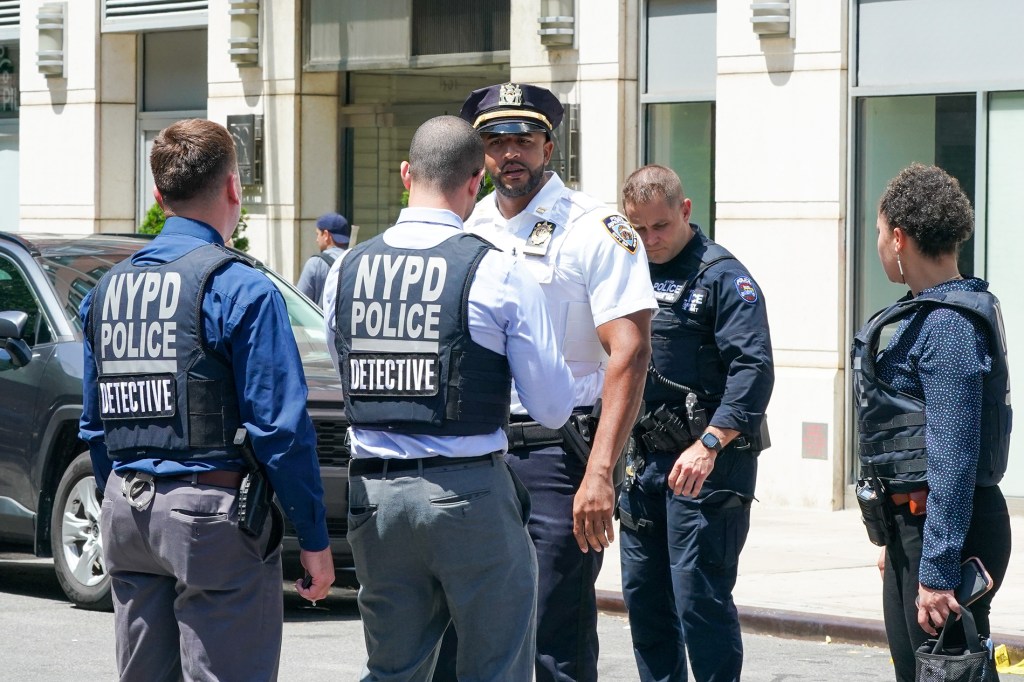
(73, 275)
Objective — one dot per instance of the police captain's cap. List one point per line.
(512, 108)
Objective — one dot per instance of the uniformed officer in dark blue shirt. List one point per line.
(189, 356)
(685, 507)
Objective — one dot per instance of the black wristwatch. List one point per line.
(711, 442)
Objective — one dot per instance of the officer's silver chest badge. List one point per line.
(540, 238)
(510, 95)
(622, 232)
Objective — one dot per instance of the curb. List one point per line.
(814, 626)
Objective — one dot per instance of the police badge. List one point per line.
(540, 238)
(511, 95)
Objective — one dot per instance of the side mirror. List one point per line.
(12, 327)
(12, 324)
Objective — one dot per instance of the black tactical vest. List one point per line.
(683, 347)
(408, 364)
(892, 424)
(159, 387)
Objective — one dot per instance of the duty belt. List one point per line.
(531, 434)
(524, 432)
(363, 466)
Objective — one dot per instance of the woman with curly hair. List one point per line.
(933, 412)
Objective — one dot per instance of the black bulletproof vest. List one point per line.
(159, 387)
(892, 424)
(683, 347)
(408, 364)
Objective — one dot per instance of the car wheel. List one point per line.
(76, 540)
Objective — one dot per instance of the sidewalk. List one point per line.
(813, 574)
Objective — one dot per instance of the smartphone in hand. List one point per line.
(974, 581)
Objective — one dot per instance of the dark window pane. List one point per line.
(682, 137)
(892, 133)
(456, 26)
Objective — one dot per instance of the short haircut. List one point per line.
(651, 182)
(444, 153)
(189, 157)
(928, 204)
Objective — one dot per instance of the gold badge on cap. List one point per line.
(510, 95)
(540, 238)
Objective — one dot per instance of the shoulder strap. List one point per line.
(713, 255)
(328, 258)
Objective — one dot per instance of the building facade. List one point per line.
(785, 123)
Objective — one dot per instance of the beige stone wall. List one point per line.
(599, 74)
(780, 184)
(76, 158)
(300, 149)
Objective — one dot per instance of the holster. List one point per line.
(875, 511)
(255, 498)
(578, 433)
(255, 494)
(640, 526)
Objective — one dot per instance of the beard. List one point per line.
(536, 176)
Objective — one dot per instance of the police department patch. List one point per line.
(622, 232)
(745, 288)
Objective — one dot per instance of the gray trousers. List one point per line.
(440, 545)
(194, 597)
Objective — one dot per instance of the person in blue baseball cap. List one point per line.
(332, 238)
(593, 270)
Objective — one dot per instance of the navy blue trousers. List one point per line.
(678, 572)
(567, 643)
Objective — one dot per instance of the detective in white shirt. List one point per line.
(437, 522)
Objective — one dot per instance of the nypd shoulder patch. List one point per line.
(746, 289)
(622, 232)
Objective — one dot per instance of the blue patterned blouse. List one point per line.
(942, 356)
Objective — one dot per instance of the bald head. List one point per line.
(444, 154)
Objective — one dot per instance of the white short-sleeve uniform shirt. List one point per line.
(589, 262)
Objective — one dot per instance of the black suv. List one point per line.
(48, 501)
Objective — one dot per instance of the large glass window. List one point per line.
(680, 72)
(1005, 243)
(894, 132)
(681, 135)
(943, 130)
(382, 113)
(174, 87)
(10, 202)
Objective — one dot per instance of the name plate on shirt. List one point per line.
(393, 374)
(138, 396)
(668, 291)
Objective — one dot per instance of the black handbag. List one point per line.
(936, 663)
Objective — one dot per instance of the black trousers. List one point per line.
(988, 538)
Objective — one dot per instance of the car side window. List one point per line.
(16, 294)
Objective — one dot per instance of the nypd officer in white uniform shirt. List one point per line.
(593, 270)
(429, 325)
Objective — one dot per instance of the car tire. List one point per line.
(76, 540)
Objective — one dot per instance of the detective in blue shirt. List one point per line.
(244, 319)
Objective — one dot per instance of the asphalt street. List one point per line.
(45, 639)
